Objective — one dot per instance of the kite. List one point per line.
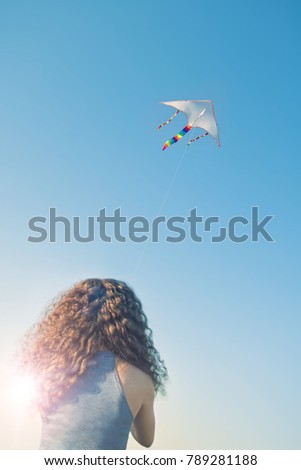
(199, 114)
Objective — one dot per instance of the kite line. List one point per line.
(165, 197)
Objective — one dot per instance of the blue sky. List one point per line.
(81, 85)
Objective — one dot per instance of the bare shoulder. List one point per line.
(138, 386)
(132, 375)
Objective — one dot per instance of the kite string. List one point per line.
(161, 207)
(172, 181)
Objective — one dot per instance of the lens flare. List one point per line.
(23, 390)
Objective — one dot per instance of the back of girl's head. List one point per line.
(106, 308)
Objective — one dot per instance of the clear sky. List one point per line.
(80, 92)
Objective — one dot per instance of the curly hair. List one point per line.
(93, 315)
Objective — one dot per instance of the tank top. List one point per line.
(94, 413)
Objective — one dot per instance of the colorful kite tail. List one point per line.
(167, 122)
(177, 137)
(197, 138)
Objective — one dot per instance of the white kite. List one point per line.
(199, 114)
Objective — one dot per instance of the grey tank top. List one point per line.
(94, 413)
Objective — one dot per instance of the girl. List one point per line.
(95, 368)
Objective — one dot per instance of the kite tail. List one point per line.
(177, 137)
(170, 119)
(197, 138)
